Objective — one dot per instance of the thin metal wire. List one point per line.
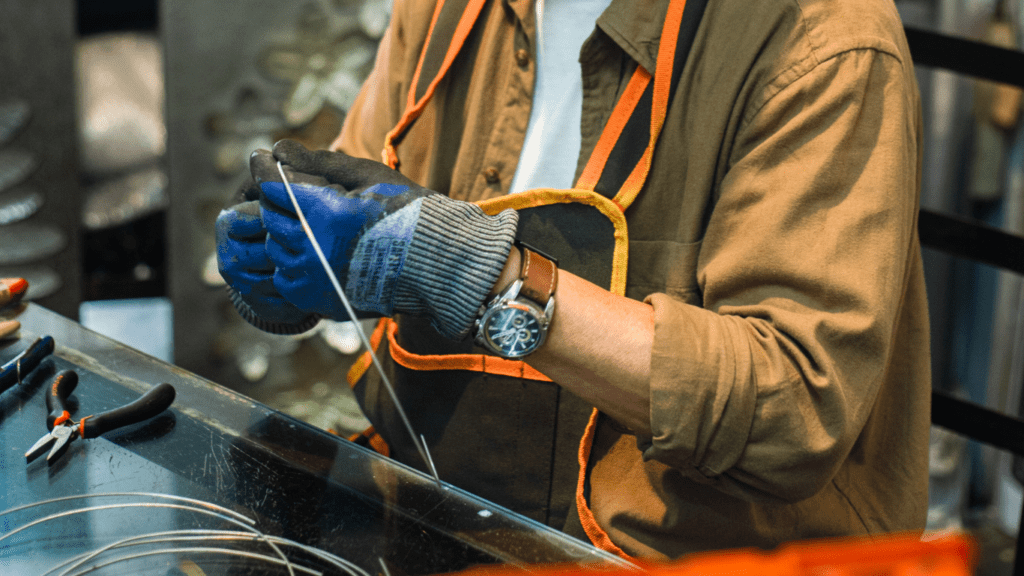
(325, 555)
(153, 538)
(199, 550)
(338, 561)
(66, 513)
(149, 505)
(201, 503)
(201, 506)
(384, 566)
(418, 441)
(226, 513)
(76, 561)
(208, 534)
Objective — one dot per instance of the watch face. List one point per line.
(513, 329)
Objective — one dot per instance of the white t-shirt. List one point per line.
(552, 143)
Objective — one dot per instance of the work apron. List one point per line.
(495, 427)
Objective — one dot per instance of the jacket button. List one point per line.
(522, 57)
(492, 175)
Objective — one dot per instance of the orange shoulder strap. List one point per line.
(450, 26)
(618, 166)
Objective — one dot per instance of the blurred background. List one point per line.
(126, 125)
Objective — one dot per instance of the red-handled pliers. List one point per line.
(63, 430)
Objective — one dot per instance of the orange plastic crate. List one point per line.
(893, 555)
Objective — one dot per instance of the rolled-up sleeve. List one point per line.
(764, 389)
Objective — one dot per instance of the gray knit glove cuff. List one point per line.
(455, 257)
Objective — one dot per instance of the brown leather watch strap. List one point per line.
(539, 276)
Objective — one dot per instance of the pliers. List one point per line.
(63, 430)
(19, 367)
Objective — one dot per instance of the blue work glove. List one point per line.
(244, 265)
(340, 211)
(394, 245)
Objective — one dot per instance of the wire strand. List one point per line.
(418, 441)
(200, 503)
(187, 535)
(200, 550)
(199, 510)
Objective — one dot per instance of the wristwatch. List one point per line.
(515, 323)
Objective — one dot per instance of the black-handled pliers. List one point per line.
(18, 367)
(63, 430)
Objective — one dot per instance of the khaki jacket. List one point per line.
(775, 239)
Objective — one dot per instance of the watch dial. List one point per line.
(513, 331)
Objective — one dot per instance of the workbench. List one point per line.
(216, 446)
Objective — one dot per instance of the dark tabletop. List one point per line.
(215, 446)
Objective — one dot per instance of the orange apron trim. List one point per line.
(493, 364)
(379, 445)
(470, 362)
(410, 99)
(594, 531)
(360, 366)
(659, 106)
(665, 65)
(625, 196)
(413, 107)
(613, 205)
(548, 196)
(373, 440)
(616, 122)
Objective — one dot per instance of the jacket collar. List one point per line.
(524, 11)
(635, 25)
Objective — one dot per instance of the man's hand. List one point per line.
(362, 214)
(394, 245)
(243, 262)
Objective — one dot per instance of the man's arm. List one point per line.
(764, 388)
(598, 346)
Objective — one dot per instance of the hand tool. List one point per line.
(12, 290)
(63, 430)
(19, 367)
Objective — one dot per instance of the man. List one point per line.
(738, 292)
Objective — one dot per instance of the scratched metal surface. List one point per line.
(295, 480)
